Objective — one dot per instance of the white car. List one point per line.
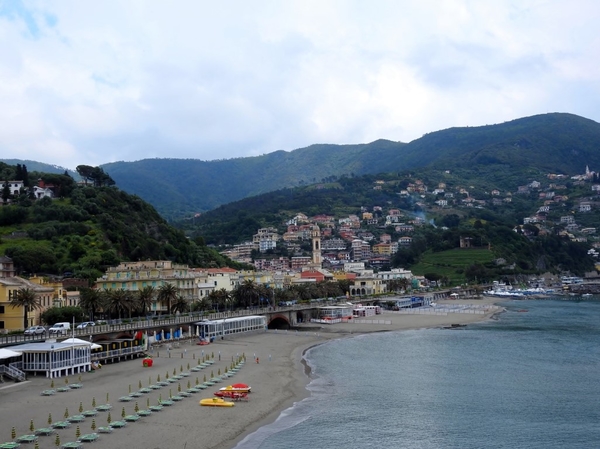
(86, 324)
(35, 330)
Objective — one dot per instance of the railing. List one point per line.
(117, 353)
(153, 322)
(12, 372)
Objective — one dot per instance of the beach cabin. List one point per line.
(212, 329)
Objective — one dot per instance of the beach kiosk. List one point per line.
(56, 359)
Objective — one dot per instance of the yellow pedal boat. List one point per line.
(216, 402)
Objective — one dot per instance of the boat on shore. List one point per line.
(216, 402)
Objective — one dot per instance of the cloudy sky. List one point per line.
(85, 82)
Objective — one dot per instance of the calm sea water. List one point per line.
(525, 380)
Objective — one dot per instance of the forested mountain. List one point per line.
(557, 142)
(85, 229)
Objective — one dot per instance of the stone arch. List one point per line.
(279, 321)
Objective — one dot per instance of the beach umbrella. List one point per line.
(13, 433)
(174, 372)
(36, 445)
(212, 374)
(140, 383)
(108, 418)
(240, 385)
(188, 384)
(136, 408)
(66, 380)
(94, 402)
(167, 375)
(219, 372)
(197, 381)
(57, 441)
(66, 415)
(80, 407)
(107, 398)
(205, 378)
(212, 355)
(181, 368)
(188, 365)
(158, 378)
(123, 414)
(149, 381)
(49, 418)
(147, 402)
(170, 394)
(93, 425)
(31, 426)
(178, 387)
(159, 398)
(77, 432)
(130, 388)
(194, 356)
(52, 384)
(79, 378)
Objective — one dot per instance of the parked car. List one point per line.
(35, 330)
(86, 324)
(60, 328)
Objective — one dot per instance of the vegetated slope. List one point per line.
(557, 142)
(179, 187)
(40, 167)
(91, 229)
(554, 142)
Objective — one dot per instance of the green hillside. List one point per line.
(87, 229)
(562, 143)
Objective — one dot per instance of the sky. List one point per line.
(85, 82)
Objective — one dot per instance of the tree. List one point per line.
(146, 297)
(180, 305)
(117, 302)
(167, 293)
(247, 293)
(26, 298)
(91, 301)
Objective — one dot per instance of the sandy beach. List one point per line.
(278, 380)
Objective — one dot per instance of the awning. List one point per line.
(8, 353)
(77, 341)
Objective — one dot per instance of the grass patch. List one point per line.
(452, 263)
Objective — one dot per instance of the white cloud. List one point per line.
(89, 83)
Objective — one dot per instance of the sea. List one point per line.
(529, 378)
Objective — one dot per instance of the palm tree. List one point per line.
(146, 297)
(167, 293)
(26, 298)
(91, 301)
(117, 301)
(180, 305)
(247, 293)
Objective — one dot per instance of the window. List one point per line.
(1, 309)
(1, 324)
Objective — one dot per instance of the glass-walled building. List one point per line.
(208, 329)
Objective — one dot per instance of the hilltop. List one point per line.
(555, 142)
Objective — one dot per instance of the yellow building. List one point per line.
(12, 318)
(134, 276)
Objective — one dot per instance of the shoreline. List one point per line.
(278, 380)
